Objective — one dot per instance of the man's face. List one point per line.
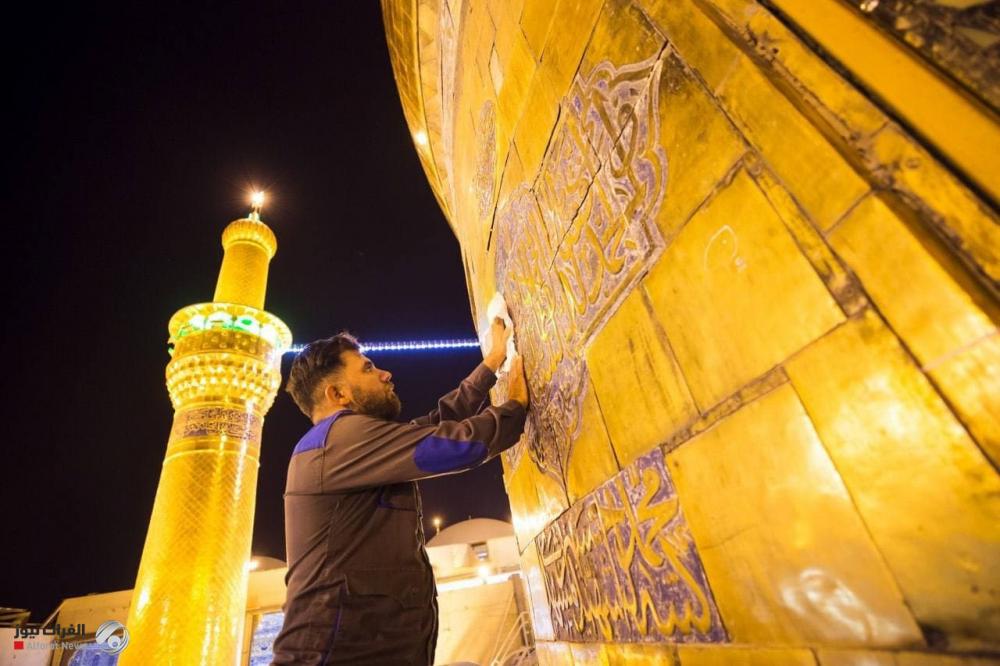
(371, 390)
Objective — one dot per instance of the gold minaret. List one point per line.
(191, 589)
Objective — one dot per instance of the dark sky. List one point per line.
(133, 135)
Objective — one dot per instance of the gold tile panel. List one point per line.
(588, 654)
(808, 77)
(553, 654)
(893, 159)
(938, 195)
(842, 285)
(538, 119)
(518, 65)
(970, 379)
(855, 658)
(639, 385)
(934, 308)
(692, 655)
(768, 120)
(869, 658)
(789, 560)
(536, 19)
(928, 496)
(696, 39)
(505, 14)
(629, 654)
(747, 394)
(964, 131)
(622, 34)
(700, 142)
(945, 318)
(536, 499)
(735, 269)
(564, 46)
(591, 460)
(771, 123)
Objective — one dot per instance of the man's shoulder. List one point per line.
(351, 425)
(316, 436)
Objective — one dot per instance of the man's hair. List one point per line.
(317, 361)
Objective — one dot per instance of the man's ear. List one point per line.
(338, 394)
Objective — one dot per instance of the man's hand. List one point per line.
(517, 385)
(499, 334)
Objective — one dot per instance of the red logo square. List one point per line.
(18, 645)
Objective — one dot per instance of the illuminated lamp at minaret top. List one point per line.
(190, 593)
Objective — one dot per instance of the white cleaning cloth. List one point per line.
(497, 308)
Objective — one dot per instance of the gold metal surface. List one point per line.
(966, 132)
(700, 142)
(970, 379)
(249, 246)
(869, 658)
(625, 654)
(789, 559)
(772, 124)
(553, 654)
(591, 460)
(727, 289)
(639, 385)
(842, 285)
(622, 33)
(734, 656)
(535, 22)
(564, 45)
(766, 118)
(589, 654)
(855, 658)
(945, 318)
(928, 496)
(931, 305)
(928, 187)
(805, 76)
(691, 211)
(535, 499)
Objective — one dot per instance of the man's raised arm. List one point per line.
(363, 451)
(472, 395)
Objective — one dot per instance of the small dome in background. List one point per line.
(474, 530)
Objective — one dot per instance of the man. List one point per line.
(360, 586)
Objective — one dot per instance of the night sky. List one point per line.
(134, 134)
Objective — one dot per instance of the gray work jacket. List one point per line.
(352, 509)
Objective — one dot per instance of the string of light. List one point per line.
(406, 345)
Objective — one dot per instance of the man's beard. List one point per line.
(380, 404)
